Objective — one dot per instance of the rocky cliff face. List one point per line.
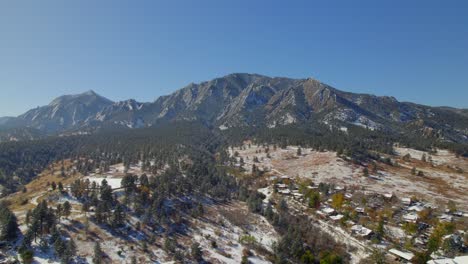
(249, 99)
(65, 112)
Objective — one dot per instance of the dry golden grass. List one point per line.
(39, 188)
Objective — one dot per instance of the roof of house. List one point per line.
(405, 255)
(361, 230)
(336, 217)
(410, 217)
(328, 210)
(461, 260)
(456, 260)
(406, 200)
(417, 208)
(446, 217)
(441, 261)
(360, 210)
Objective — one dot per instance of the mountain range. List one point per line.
(241, 100)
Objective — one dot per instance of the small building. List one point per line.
(441, 261)
(410, 217)
(416, 208)
(360, 210)
(402, 255)
(297, 195)
(420, 241)
(322, 214)
(281, 186)
(406, 201)
(461, 260)
(339, 188)
(456, 260)
(446, 218)
(361, 231)
(388, 195)
(328, 210)
(285, 192)
(337, 217)
(458, 213)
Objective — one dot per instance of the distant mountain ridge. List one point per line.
(243, 99)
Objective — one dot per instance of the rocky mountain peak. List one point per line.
(241, 99)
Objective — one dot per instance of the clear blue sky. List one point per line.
(414, 50)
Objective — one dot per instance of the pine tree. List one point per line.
(200, 209)
(8, 225)
(106, 194)
(118, 217)
(366, 172)
(101, 213)
(97, 258)
(59, 247)
(70, 251)
(66, 209)
(269, 212)
(27, 255)
(28, 217)
(59, 210)
(314, 200)
(196, 251)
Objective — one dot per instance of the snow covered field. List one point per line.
(227, 234)
(113, 182)
(437, 186)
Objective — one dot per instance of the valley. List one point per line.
(244, 169)
(333, 194)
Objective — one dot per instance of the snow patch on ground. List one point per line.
(113, 182)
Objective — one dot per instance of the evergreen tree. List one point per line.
(60, 247)
(118, 217)
(66, 208)
(106, 194)
(196, 251)
(366, 172)
(70, 251)
(26, 255)
(98, 254)
(314, 200)
(8, 224)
